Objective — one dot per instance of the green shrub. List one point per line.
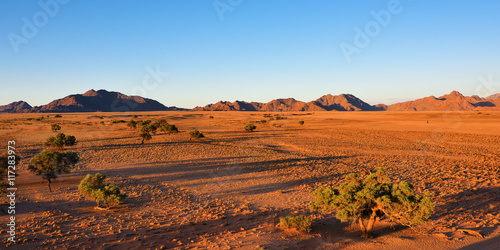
(145, 136)
(359, 199)
(135, 116)
(211, 117)
(300, 222)
(60, 140)
(150, 128)
(169, 128)
(102, 122)
(93, 187)
(48, 164)
(301, 122)
(195, 134)
(55, 127)
(58, 116)
(263, 121)
(250, 127)
(132, 124)
(30, 119)
(160, 123)
(117, 121)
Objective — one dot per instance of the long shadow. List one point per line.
(470, 202)
(490, 244)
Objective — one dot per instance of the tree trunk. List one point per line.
(142, 142)
(50, 190)
(362, 225)
(371, 222)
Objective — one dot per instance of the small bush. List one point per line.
(145, 136)
(93, 187)
(300, 222)
(211, 117)
(150, 128)
(102, 122)
(39, 118)
(135, 116)
(250, 127)
(169, 128)
(117, 121)
(195, 134)
(60, 140)
(263, 121)
(132, 124)
(58, 116)
(301, 122)
(55, 127)
(160, 123)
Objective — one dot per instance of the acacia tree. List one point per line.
(145, 136)
(60, 140)
(93, 187)
(374, 196)
(48, 164)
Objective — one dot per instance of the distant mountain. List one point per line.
(100, 101)
(344, 102)
(451, 102)
(108, 101)
(15, 107)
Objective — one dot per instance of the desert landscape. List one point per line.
(229, 189)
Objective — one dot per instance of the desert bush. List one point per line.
(250, 127)
(142, 123)
(117, 121)
(132, 124)
(5, 161)
(301, 122)
(93, 187)
(150, 128)
(263, 121)
(48, 164)
(145, 136)
(300, 222)
(58, 116)
(160, 123)
(55, 127)
(135, 116)
(195, 134)
(102, 122)
(30, 119)
(39, 118)
(169, 128)
(372, 197)
(211, 117)
(60, 140)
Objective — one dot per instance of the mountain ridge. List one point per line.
(109, 101)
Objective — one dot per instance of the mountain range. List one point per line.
(109, 101)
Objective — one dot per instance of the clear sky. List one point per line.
(252, 50)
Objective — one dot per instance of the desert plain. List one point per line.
(229, 189)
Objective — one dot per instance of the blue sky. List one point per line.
(258, 51)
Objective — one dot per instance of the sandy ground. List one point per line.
(227, 191)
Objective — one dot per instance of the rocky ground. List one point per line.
(228, 190)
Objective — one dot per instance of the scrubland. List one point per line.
(229, 189)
